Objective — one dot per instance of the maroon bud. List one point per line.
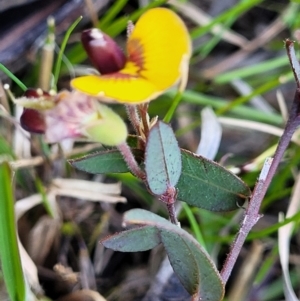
(33, 121)
(104, 53)
(35, 93)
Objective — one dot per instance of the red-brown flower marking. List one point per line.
(158, 51)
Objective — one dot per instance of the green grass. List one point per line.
(9, 252)
(264, 76)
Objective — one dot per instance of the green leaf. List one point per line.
(184, 265)
(9, 252)
(203, 183)
(190, 261)
(133, 240)
(105, 161)
(206, 184)
(192, 265)
(162, 158)
(144, 217)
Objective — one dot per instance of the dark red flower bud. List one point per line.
(33, 121)
(35, 93)
(102, 50)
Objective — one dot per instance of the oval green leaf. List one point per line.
(144, 217)
(103, 162)
(162, 158)
(192, 265)
(208, 185)
(202, 183)
(133, 240)
(190, 261)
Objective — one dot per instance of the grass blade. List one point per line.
(62, 49)
(120, 24)
(9, 252)
(234, 11)
(112, 13)
(12, 77)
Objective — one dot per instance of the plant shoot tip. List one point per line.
(51, 21)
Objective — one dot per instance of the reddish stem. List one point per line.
(172, 213)
(169, 198)
(252, 215)
(130, 161)
(134, 118)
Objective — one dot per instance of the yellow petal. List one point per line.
(158, 52)
(160, 45)
(117, 86)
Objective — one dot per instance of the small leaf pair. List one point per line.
(202, 183)
(189, 260)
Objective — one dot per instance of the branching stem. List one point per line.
(252, 215)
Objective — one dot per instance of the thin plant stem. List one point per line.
(92, 12)
(172, 213)
(169, 198)
(47, 58)
(133, 117)
(130, 161)
(252, 215)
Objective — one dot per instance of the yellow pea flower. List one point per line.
(158, 52)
